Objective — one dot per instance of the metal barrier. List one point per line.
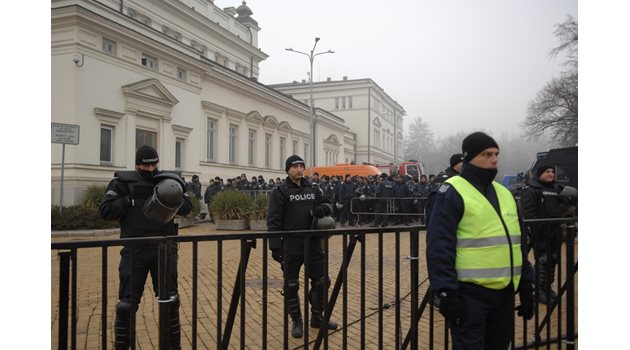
(359, 285)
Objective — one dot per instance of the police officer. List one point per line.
(292, 206)
(541, 199)
(145, 201)
(476, 255)
(346, 193)
(384, 192)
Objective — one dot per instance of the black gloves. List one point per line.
(277, 254)
(319, 212)
(526, 296)
(450, 307)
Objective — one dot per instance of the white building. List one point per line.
(180, 75)
(375, 117)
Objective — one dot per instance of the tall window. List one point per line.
(295, 147)
(349, 102)
(148, 61)
(106, 144)
(146, 137)
(343, 102)
(267, 150)
(211, 150)
(307, 154)
(251, 147)
(232, 143)
(283, 149)
(179, 151)
(336, 103)
(181, 73)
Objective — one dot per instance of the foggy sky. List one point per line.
(461, 65)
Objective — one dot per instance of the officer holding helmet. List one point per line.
(297, 204)
(145, 201)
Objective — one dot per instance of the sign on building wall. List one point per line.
(65, 133)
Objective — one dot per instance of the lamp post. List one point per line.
(311, 57)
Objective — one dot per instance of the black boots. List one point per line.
(122, 324)
(293, 304)
(316, 296)
(545, 273)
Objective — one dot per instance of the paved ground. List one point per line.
(89, 327)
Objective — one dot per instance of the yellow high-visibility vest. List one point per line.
(488, 245)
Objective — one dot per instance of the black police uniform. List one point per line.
(290, 208)
(542, 201)
(124, 199)
(384, 191)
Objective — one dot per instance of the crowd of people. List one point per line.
(357, 200)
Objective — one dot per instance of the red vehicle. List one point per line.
(412, 168)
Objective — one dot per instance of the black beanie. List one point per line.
(541, 169)
(455, 158)
(146, 155)
(476, 143)
(291, 161)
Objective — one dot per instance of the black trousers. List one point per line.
(487, 318)
(295, 258)
(136, 263)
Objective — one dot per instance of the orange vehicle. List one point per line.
(343, 169)
(412, 168)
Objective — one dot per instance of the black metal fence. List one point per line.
(381, 301)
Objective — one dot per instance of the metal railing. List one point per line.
(383, 272)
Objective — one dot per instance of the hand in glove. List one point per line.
(319, 212)
(450, 307)
(277, 254)
(526, 296)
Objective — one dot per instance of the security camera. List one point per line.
(76, 59)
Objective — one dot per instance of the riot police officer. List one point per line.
(384, 192)
(145, 201)
(542, 199)
(293, 205)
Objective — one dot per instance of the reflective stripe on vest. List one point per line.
(483, 247)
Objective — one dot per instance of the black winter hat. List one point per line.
(291, 161)
(455, 158)
(476, 143)
(146, 155)
(541, 169)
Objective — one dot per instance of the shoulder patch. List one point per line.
(444, 188)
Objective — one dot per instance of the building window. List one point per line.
(349, 102)
(283, 149)
(179, 152)
(267, 150)
(107, 133)
(109, 46)
(251, 147)
(336, 103)
(343, 102)
(211, 150)
(232, 144)
(149, 62)
(146, 137)
(295, 147)
(307, 154)
(181, 74)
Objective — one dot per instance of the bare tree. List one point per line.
(554, 111)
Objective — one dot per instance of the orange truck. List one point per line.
(412, 168)
(343, 169)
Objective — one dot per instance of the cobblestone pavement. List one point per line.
(89, 325)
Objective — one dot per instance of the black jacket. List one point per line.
(290, 207)
(124, 200)
(447, 210)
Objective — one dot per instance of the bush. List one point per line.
(196, 205)
(259, 207)
(78, 217)
(230, 205)
(93, 196)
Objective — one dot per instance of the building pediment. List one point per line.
(285, 126)
(333, 140)
(149, 98)
(270, 121)
(255, 117)
(376, 122)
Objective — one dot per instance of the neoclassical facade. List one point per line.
(180, 75)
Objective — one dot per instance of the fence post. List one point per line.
(570, 287)
(64, 295)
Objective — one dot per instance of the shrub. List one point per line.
(93, 196)
(196, 205)
(230, 205)
(78, 217)
(259, 207)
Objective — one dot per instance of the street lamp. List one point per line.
(311, 57)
